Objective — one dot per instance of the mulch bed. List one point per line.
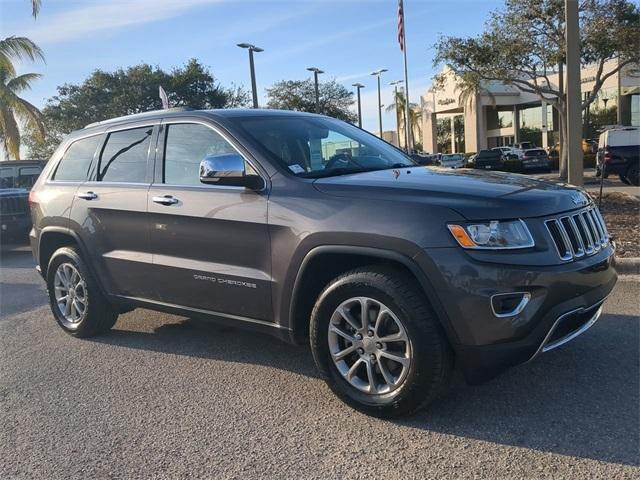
(621, 213)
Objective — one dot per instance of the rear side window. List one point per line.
(186, 145)
(76, 161)
(124, 157)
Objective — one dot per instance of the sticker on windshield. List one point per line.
(295, 168)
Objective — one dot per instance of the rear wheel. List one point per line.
(624, 179)
(377, 343)
(632, 175)
(77, 303)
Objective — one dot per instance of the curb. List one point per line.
(628, 266)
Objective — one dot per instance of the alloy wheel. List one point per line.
(70, 292)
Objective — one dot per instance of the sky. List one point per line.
(347, 39)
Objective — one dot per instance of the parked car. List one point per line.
(505, 151)
(423, 159)
(452, 160)
(619, 152)
(16, 179)
(391, 272)
(534, 159)
(488, 160)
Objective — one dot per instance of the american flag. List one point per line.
(400, 25)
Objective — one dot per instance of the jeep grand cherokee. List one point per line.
(315, 231)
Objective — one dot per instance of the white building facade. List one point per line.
(503, 115)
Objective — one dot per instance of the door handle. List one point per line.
(165, 200)
(87, 195)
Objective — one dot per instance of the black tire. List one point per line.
(624, 179)
(431, 363)
(632, 175)
(98, 316)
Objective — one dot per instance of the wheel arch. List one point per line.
(323, 263)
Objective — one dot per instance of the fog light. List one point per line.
(509, 304)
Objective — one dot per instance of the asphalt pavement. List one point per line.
(167, 397)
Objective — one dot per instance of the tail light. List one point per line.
(607, 155)
(32, 198)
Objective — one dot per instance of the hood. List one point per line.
(475, 194)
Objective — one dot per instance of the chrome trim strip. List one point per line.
(206, 312)
(545, 346)
(526, 296)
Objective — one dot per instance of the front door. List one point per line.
(210, 244)
(110, 211)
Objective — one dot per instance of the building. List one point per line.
(503, 115)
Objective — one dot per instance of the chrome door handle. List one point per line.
(165, 200)
(87, 195)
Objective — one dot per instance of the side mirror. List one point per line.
(228, 169)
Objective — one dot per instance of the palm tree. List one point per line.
(15, 110)
(415, 115)
(35, 7)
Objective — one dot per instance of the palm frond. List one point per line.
(22, 82)
(18, 48)
(35, 7)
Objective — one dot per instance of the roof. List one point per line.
(181, 112)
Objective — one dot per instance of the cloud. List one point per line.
(104, 16)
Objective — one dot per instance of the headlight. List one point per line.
(494, 235)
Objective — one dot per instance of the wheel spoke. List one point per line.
(349, 318)
(404, 361)
(388, 378)
(354, 368)
(338, 331)
(381, 314)
(343, 353)
(394, 337)
(61, 279)
(364, 306)
(371, 377)
(67, 308)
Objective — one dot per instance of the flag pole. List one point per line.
(407, 114)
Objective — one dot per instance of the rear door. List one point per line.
(110, 209)
(210, 243)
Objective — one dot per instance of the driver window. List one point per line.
(186, 145)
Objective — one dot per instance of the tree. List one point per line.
(106, 95)
(524, 43)
(415, 117)
(334, 99)
(35, 7)
(15, 110)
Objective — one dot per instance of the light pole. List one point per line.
(316, 71)
(395, 84)
(377, 74)
(358, 87)
(254, 90)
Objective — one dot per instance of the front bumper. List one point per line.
(563, 300)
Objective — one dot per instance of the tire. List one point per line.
(632, 175)
(89, 313)
(413, 385)
(624, 179)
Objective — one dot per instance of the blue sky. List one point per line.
(348, 39)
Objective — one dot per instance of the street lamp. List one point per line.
(358, 87)
(395, 84)
(377, 74)
(254, 90)
(316, 71)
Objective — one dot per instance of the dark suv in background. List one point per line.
(16, 179)
(313, 230)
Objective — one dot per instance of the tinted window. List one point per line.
(76, 161)
(187, 144)
(124, 157)
(27, 176)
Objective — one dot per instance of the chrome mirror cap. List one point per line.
(222, 169)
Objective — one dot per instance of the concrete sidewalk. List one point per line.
(592, 183)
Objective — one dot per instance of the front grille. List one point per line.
(13, 205)
(578, 234)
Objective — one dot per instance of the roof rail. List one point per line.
(139, 115)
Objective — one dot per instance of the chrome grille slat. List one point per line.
(579, 234)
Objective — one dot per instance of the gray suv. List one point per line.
(310, 229)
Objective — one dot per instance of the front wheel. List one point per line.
(377, 343)
(633, 176)
(76, 301)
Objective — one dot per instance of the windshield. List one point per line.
(315, 147)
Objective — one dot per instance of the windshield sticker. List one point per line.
(295, 168)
